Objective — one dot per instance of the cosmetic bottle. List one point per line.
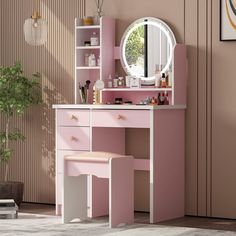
(170, 76)
(115, 81)
(98, 61)
(94, 39)
(86, 59)
(166, 99)
(109, 82)
(159, 99)
(158, 75)
(92, 60)
(120, 82)
(163, 80)
(127, 81)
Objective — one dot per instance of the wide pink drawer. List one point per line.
(73, 138)
(70, 117)
(121, 118)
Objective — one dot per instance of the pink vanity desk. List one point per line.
(103, 128)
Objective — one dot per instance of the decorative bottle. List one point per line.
(94, 39)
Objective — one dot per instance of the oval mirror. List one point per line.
(146, 46)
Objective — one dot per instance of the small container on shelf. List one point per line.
(96, 20)
(79, 21)
(127, 81)
(170, 78)
(120, 82)
(109, 82)
(86, 59)
(94, 39)
(158, 75)
(115, 82)
(88, 20)
(92, 60)
(163, 80)
(87, 43)
(98, 61)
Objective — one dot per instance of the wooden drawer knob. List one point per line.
(120, 117)
(74, 139)
(73, 117)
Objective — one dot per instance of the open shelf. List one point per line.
(88, 27)
(88, 67)
(88, 47)
(137, 89)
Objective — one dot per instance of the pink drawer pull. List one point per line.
(74, 139)
(73, 117)
(120, 117)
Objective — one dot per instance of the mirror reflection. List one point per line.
(147, 47)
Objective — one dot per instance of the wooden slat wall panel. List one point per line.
(191, 39)
(34, 160)
(198, 37)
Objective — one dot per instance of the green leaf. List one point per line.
(5, 154)
(17, 93)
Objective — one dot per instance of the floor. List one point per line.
(187, 221)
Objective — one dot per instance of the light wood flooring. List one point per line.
(187, 221)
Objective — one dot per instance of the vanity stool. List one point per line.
(117, 168)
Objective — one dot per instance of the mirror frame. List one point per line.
(147, 21)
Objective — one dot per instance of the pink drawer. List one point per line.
(121, 118)
(70, 117)
(73, 138)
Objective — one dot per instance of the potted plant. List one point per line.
(17, 93)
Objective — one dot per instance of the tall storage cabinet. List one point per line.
(105, 50)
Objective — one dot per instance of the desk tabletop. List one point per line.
(117, 107)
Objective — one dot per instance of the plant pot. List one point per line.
(12, 190)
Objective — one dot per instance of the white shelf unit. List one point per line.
(106, 33)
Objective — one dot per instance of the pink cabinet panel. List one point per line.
(70, 117)
(121, 118)
(73, 138)
(60, 158)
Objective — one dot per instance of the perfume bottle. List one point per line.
(109, 82)
(163, 80)
(94, 39)
(92, 60)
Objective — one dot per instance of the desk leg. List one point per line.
(121, 191)
(74, 198)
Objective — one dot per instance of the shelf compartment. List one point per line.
(85, 35)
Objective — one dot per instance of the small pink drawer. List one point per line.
(121, 118)
(73, 138)
(70, 117)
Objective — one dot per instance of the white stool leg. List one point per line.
(121, 191)
(74, 198)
